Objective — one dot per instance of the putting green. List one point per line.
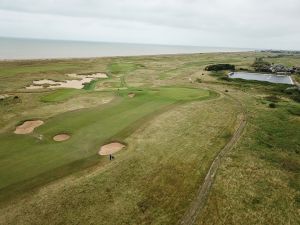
(23, 157)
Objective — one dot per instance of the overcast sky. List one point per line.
(228, 23)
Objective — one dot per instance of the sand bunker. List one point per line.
(32, 87)
(28, 126)
(94, 75)
(61, 137)
(77, 84)
(111, 148)
(82, 79)
(44, 81)
(131, 95)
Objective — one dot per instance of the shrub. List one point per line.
(272, 98)
(294, 93)
(10, 100)
(198, 80)
(294, 110)
(226, 78)
(296, 97)
(218, 67)
(244, 69)
(261, 66)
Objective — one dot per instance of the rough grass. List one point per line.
(259, 180)
(60, 95)
(89, 129)
(152, 181)
(10, 68)
(91, 85)
(123, 67)
(156, 177)
(30, 106)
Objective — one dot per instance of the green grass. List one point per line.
(60, 95)
(29, 157)
(91, 85)
(172, 138)
(261, 175)
(10, 69)
(294, 110)
(123, 68)
(182, 95)
(152, 181)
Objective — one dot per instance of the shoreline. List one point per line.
(38, 49)
(119, 56)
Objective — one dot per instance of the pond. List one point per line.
(273, 78)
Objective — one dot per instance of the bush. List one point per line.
(226, 79)
(272, 98)
(10, 100)
(272, 105)
(294, 93)
(294, 110)
(218, 67)
(261, 66)
(296, 97)
(244, 69)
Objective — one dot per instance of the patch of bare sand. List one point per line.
(61, 137)
(44, 81)
(32, 87)
(4, 96)
(94, 75)
(131, 95)
(28, 126)
(77, 84)
(111, 148)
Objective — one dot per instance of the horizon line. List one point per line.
(134, 43)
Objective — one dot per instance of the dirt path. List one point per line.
(199, 202)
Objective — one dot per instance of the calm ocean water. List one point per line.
(14, 48)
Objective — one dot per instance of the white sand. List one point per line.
(31, 87)
(94, 75)
(44, 81)
(61, 137)
(111, 148)
(77, 84)
(28, 126)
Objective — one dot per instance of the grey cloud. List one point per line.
(237, 22)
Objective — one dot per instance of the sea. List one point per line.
(21, 48)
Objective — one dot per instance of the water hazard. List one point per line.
(273, 78)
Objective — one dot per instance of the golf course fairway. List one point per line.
(37, 153)
(160, 140)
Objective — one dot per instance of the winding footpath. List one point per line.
(199, 202)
